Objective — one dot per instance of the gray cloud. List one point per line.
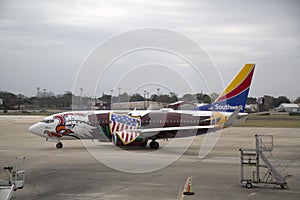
(42, 43)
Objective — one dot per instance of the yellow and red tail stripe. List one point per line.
(239, 84)
(235, 94)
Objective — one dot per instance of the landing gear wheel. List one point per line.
(248, 185)
(144, 143)
(154, 145)
(59, 145)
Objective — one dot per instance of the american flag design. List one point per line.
(121, 124)
(127, 136)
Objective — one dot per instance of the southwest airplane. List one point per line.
(135, 128)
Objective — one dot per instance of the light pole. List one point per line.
(44, 95)
(145, 92)
(95, 102)
(80, 98)
(119, 98)
(148, 98)
(37, 96)
(111, 98)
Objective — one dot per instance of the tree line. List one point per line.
(48, 100)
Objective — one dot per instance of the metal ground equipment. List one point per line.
(12, 177)
(265, 168)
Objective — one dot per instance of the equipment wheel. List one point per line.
(154, 145)
(248, 185)
(59, 145)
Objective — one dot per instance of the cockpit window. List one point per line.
(48, 121)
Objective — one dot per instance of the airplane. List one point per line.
(137, 127)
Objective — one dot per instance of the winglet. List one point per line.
(233, 117)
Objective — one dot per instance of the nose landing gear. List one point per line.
(59, 145)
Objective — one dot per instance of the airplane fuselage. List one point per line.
(126, 128)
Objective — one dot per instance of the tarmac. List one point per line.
(73, 172)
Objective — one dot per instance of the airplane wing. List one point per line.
(149, 132)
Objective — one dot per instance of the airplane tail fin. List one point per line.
(235, 94)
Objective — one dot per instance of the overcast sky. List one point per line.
(43, 43)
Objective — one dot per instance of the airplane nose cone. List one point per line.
(34, 129)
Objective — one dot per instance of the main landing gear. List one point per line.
(144, 143)
(59, 145)
(154, 145)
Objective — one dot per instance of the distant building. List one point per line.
(139, 105)
(288, 107)
(251, 108)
